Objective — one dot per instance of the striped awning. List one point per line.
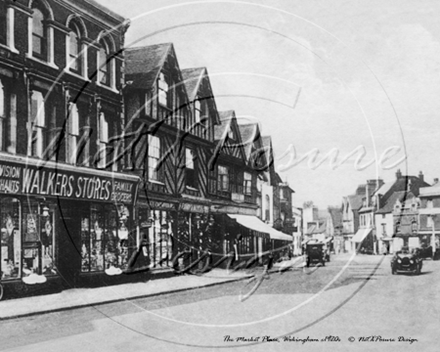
(254, 223)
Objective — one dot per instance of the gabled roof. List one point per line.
(225, 122)
(228, 121)
(400, 196)
(336, 215)
(249, 134)
(192, 78)
(316, 228)
(143, 64)
(355, 201)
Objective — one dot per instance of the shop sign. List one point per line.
(21, 179)
(194, 208)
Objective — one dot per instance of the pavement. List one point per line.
(85, 297)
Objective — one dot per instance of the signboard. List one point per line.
(19, 179)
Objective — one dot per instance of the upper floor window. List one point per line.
(3, 23)
(103, 140)
(267, 205)
(72, 134)
(191, 180)
(153, 158)
(163, 91)
(430, 204)
(104, 64)
(230, 133)
(3, 115)
(74, 49)
(247, 184)
(39, 35)
(223, 178)
(197, 111)
(37, 124)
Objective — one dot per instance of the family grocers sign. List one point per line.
(27, 179)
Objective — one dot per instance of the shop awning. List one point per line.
(254, 223)
(386, 239)
(360, 235)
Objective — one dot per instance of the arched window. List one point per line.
(104, 64)
(74, 49)
(39, 34)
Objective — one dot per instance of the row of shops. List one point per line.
(64, 227)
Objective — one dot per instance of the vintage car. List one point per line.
(315, 253)
(407, 261)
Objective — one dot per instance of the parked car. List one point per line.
(315, 254)
(407, 261)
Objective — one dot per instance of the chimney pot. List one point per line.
(398, 174)
(421, 176)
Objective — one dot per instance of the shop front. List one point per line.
(62, 226)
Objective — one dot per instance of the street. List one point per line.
(316, 308)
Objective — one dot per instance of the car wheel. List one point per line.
(323, 263)
(419, 270)
(308, 263)
(393, 271)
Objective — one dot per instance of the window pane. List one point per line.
(2, 101)
(37, 23)
(153, 157)
(10, 238)
(189, 157)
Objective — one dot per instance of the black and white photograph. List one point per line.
(219, 175)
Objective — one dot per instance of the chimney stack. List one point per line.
(398, 174)
(435, 181)
(421, 176)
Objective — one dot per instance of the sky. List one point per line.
(356, 82)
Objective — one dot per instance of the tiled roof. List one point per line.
(143, 64)
(391, 202)
(336, 215)
(249, 133)
(226, 119)
(105, 10)
(192, 78)
(355, 201)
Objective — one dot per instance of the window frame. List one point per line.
(223, 178)
(163, 90)
(154, 154)
(3, 24)
(73, 134)
(75, 61)
(103, 140)
(190, 168)
(38, 125)
(105, 64)
(41, 37)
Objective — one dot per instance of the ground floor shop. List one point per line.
(62, 227)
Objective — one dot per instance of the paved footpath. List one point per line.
(83, 297)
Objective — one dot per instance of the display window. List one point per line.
(10, 238)
(159, 249)
(104, 236)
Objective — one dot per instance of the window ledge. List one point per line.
(112, 89)
(156, 182)
(192, 188)
(73, 74)
(30, 57)
(12, 50)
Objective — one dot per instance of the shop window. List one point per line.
(159, 249)
(223, 178)
(104, 237)
(39, 35)
(103, 140)
(3, 23)
(74, 59)
(72, 134)
(105, 64)
(10, 255)
(38, 239)
(247, 185)
(38, 124)
(190, 170)
(163, 91)
(154, 158)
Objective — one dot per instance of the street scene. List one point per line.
(219, 174)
